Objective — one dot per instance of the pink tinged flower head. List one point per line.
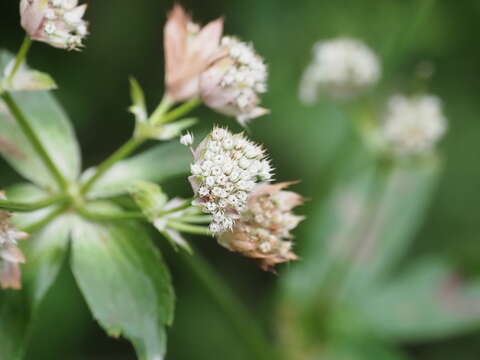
(10, 255)
(189, 49)
(233, 83)
(56, 22)
(263, 230)
(225, 170)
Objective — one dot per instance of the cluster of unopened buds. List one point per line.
(230, 178)
(225, 170)
(10, 255)
(56, 22)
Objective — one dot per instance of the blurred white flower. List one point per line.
(340, 67)
(10, 254)
(263, 230)
(413, 125)
(56, 22)
(225, 170)
(189, 50)
(232, 84)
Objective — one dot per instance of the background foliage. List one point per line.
(304, 143)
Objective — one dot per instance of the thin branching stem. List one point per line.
(47, 219)
(187, 228)
(20, 58)
(34, 139)
(113, 216)
(31, 206)
(125, 150)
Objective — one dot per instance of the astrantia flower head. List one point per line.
(341, 68)
(56, 22)
(10, 254)
(232, 84)
(413, 125)
(263, 230)
(189, 50)
(225, 170)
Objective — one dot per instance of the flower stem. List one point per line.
(22, 206)
(125, 150)
(158, 117)
(42, 222)
(20, 59)
(235, 311)
(196, 219)
(187, 228)
(99, 216)
(161, 109)
(179, 111)
(34, 139)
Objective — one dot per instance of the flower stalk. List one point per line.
(32, 206)
(34, 139)
(20, 58)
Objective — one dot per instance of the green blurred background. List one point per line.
(126, 40)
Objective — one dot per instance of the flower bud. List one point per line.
(56, 22)
(261, 230)
(187, 139)
(232, 84)
(341, 68)
(10, 254)
(225, 170)
(189, 50)
(413, 125)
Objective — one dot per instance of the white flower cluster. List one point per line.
(413, 125)
(226, 168)
(340, 67)
(248, 73)
(233, 83)
(62, 25)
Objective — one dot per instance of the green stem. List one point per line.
(34, 139)
(20, 59)
(41, 223)
(191, 229)
(22, 206)
(159, 117)
(98, 216)
(162, 108)
(183, 206)
(125, 150)
(196, 219)
(179, 111)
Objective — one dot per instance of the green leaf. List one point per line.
(155, 165)
(138, 107)
(45, 252)
(125, 283)
(52, 126)
(427, 301)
